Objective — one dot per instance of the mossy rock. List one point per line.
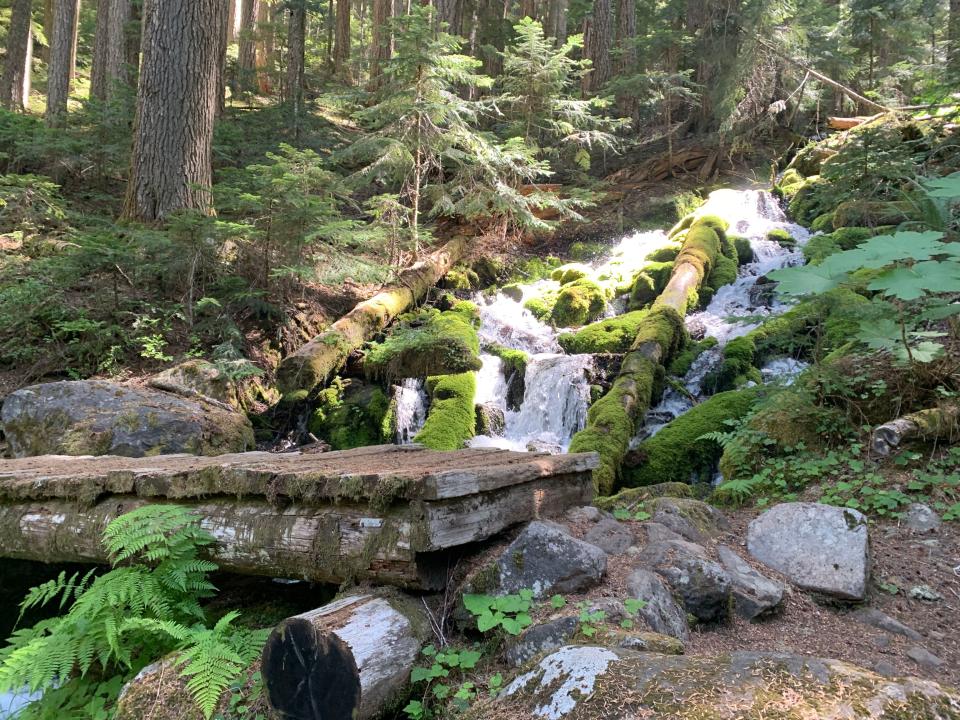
(631, 497)
(723, 273)
(514, 372)
(677, 453)
(428, 342)
(460, 277)
(809, 202)
(569, 273)
(782, 238)
(684, 360)
(649, 283)
(513, 291)
(790, 182)
(541, 306)
(611, 335)
(870, 213)
(350, 414)
(578, 303)
(534, 268)
(743, 248)
(667, 253)
(451, 420)
(488, 270)
(823, 223)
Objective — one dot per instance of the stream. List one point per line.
(557, 385)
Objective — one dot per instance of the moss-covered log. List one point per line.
(611, 421)
(939, 423)
(451, 420)
(319, 360)
(349, 660)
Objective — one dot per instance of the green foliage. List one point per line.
(349, 415)
(433, 679)
(116, 623)
(451, 420)
(506, 613)
(29, 204)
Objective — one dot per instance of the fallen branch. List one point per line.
(940, 423)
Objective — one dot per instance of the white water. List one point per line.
(411, 409)
(12, 703)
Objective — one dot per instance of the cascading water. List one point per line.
(411, 403)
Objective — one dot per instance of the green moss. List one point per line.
(569, 273)
(664, 254)
(820, 247)
(535, 268)
(451, 420)
(631, 497)
(682, 362)
(350, 414)
(460, 278)
(809, 201)
(611, 335)
(513, 360)
(823, 223)
(782, 238)
(683, 224)
(724, 272)
(872, 213)
(541, 306)
(428, 342)
(743, 248)
(790, 182)
(586, 250)
(513, 291)
(489, 270)
(578, 303)
(664, 327)
(649, 283)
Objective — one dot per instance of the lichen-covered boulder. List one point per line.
(694, 520)
(703, 585)
(200, 377)
(662, 612)
(96, 417)
(601, 683)
(753, 593)
(820, 548)
(546, 559)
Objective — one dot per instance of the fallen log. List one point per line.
(345, 661)
(319, 360)
(846, 123)
(940, 423)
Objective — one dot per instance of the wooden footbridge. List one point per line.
(389, 514)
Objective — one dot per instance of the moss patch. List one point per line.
(570, 273)
(649, 283)
(782, 238)
(349, 414)
(578, 303)
(612, 335)
(684, 359)
(451, 420)
(460, 277)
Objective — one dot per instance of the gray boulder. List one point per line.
(96, 417)
(490, 420)
(610, 536)
(921, 518)
(540, 639)
(694, 520)
(702, 584)
(547, 559)
(882, 621)
(821, 548)
(662, 612)
(753, 594)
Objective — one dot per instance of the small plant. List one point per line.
(433, 679)
(511, 613)
(590, 619)
(633, 512)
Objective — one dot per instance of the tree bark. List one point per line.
(111, 49)
(223, 43)
(381, 44)
(350, 659)
(315, 363)
(597, 38)
(266, 46)
(557, 21)
(940, 423)
(171, 159)
(74, 42)
(247, 52)
(528, 8)
(296, 44)
(341, 46)
(61, 56)
(626, 36)
(233, 20)
(953, 39)
(15, 83)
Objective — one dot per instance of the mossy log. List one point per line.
(611, 421)
(318, 361)
(349, 660)
(939, 423)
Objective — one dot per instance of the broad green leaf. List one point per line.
(557, 602)
(469, 659)
(486, 622)
(478, 604)
(911, 283)
(945, 188)
(883, 250)
(807, 280)
(926, 351)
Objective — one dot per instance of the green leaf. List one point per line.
(634, 605)
(945, 188)
(806, 280)
(911, 283)
(557, 602)
(926, 351)
(478, 604)
(469, 659)
(486, 622)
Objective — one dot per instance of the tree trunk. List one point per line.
(266, 45)
(47, 29)
(315, 363)
(61, 57)
(296, 44)
(171, 159)
(341, 47)
(247, 52)
(74, 42)
(233, 20)
(110, 49)
(557, 21)
(451, 13)
(223, 43)
(940, 423)
(953, 39)
(528, 8)
(381, 42)
(15, 83)
(626, 36)
(597, 39)
(350, 659)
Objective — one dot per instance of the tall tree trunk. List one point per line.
(61, 56)
(247, 52)
(296, 44)
(626, 59)
(528, 8)
(47, 29)
(111, 50)
(171, 159)
(557, 21)
(233, 20)
(597, 40)
(223, 39)
(381, 43)
(266, 45)
(341, 47)
(15, 83)
(75, 39)
(953, 39)
(451, 13)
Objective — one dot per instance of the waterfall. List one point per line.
(504, 321)
(410, 403)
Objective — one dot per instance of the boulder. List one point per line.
(597, 683)
(753, 594)
(97, 417)
(662, 612)
(702, 584)
(490, 420)
(548, 560)
(820, 548)
(694, 520)
(199, 377)
(610, 536)
(921, 518)
(882, 621)
(541, 638)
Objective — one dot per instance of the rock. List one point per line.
(650, 642)
(694, 520)
(657, 533)
(696, 328)
(921, 518)
(821, 548)
(612, 608)
(924, 658)
(490, 420)
(544, 447)
(885, 668)
(96, 417)
(882, 621)
(631, 497)
(703, 585)
(548, 560)
(585, 513)
(602, 683)
(662, 613)
(925, 592)
(198, 377)
(540, 639)
(610, 536)
(753, 594)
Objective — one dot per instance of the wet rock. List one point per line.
(544, 447)
(762, 292)
(821, 548)
(610, 536)
(924, 658)
(600, 683)
(696, 328)
(921, 518)
(926, 593)
(540, 639)
(882, 621)
(96, 417)
(753, 594)
(548, 560)
(703, 585)
(694, 520)
(490, 420)
(662, 612)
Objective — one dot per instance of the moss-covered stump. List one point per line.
(578, 303)
(429, 342)
(452, 419)
(595, 683)
(677, 453)
(319, 360)
(612, 335)
(351, 414)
